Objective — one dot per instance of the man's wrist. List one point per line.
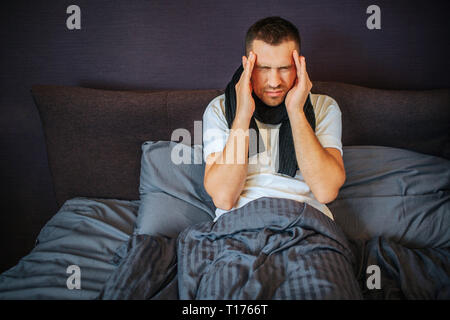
(297, 107)
(242, 121)
(296, 111)
(297, 114)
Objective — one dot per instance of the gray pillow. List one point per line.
(394, 193)
(172, 193)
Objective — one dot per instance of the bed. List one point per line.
(129, 218)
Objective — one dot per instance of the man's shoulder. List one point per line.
(216, 106)
(320, 99)
(218, 100)
(323, 103)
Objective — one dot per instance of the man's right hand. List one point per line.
(226, 171)
(245, 104)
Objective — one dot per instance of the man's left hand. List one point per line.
(296, 97)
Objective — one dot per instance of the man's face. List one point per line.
(274, 71)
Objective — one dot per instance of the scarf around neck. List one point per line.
(270, 115)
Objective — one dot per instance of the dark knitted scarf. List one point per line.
(270, 115)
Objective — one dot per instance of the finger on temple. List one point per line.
(248, 68)
(252, 60)
(297, 62)
(244, 61)
(303, 63)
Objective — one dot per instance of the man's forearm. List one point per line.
(225, 179)
(321, 171)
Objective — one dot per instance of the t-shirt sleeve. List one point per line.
(215, 127)
(328, 123)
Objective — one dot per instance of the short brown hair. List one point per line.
(272, 30)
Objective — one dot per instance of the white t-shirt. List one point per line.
(262, 179)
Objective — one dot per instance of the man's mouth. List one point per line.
(274, 93)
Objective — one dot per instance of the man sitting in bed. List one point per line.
(276, 243)
(298, 134)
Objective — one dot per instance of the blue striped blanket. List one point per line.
(269, 249)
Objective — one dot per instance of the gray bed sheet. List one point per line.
(89, 233)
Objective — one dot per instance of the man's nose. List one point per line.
(274, 79)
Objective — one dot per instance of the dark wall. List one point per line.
(183, 44)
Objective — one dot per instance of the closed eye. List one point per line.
(268, 68)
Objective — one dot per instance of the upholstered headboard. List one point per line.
(94, 136)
